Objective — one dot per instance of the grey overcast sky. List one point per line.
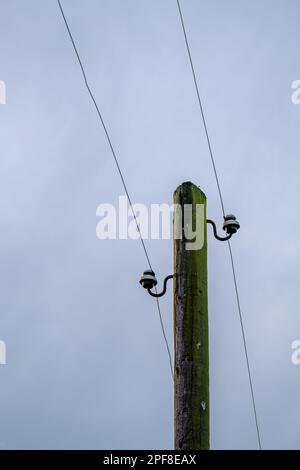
(86, 363)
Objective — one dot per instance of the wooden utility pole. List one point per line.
(191, 374)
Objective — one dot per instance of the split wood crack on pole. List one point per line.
(191, 339)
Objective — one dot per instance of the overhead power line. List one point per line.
(245, 343)
(201, 107)
(118, 169)
(223, 210)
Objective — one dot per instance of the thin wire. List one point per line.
(104, 128)
(222, 205)
(201, 107)
(245, 344)
(164, 334)
(118, 168)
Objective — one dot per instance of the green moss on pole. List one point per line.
(191, 375)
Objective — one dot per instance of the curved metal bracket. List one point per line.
(222, 239)
(171, 276)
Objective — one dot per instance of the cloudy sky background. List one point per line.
(87, 366)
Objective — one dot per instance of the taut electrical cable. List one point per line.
(222, 204)
(119, 171)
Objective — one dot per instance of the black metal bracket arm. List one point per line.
(154, 294)
(230, 225)
(148, 281)
(222, 239)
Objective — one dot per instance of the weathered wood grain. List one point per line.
(191, 339)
